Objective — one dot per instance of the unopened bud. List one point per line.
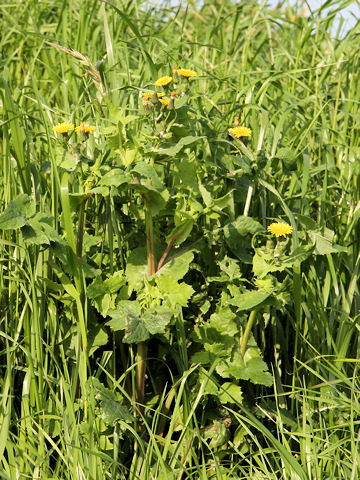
(175, 74)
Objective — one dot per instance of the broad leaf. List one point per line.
(136, 268)
(175, 149)
(249, 299)
(17, 212)
(230, 393)
(138, 325)
(115, 178)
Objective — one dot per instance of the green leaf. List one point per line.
(155, 199)
(203, 358)
(218, 334)
(239, 228)
(17, 212)
(181, 232)
(148, 171)
(249, 299)
(112, 408)
(262, 265)
(139, 325)
(97, 337)
(230, 393)
(33, 234)
(230, 267)
(136, 268)
(177, 267)
(251, 368)
(175, 149)
(115, 178)
(206, 196)
(176, 293)
(157, 319)
(187, 173)
(324, 243)
(235, 236)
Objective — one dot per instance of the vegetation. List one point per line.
(178, 282)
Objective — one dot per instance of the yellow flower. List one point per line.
(149, 95)
(280, 229)
(187, 73)
(164, 102)
(83, 128)
(163, 81)
(64, 127)
(240, 132)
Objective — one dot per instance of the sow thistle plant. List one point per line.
(181, 284)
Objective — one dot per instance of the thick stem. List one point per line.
(149, 240)
(141, 356)
(245, 337)
(141, 359)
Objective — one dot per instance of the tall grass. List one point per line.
(68, 403)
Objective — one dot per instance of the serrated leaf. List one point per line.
(230, 267)
(17, 212)
(230, 393)
(157, 319)
(248, 300)
(253, 369)
(218, 334)
(112, 409)
(33, 234)
(308, 222)
(187, 169)
(235, 233)
(176, 293)
(138, 325)
(262, 266)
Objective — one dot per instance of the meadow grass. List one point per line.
(85, 221)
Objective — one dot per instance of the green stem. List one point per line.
(149, 240)
(141, 356)
(245, 337)
(80, 239)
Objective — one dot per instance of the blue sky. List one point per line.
(351, 13)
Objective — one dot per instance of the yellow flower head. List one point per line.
(280, 229)
(187, 73)
(164, 102)
(149, 95)
(163, 81)
(83, 128)
(64, 127)
(238, 132)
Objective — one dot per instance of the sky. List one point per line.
(350, 13)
